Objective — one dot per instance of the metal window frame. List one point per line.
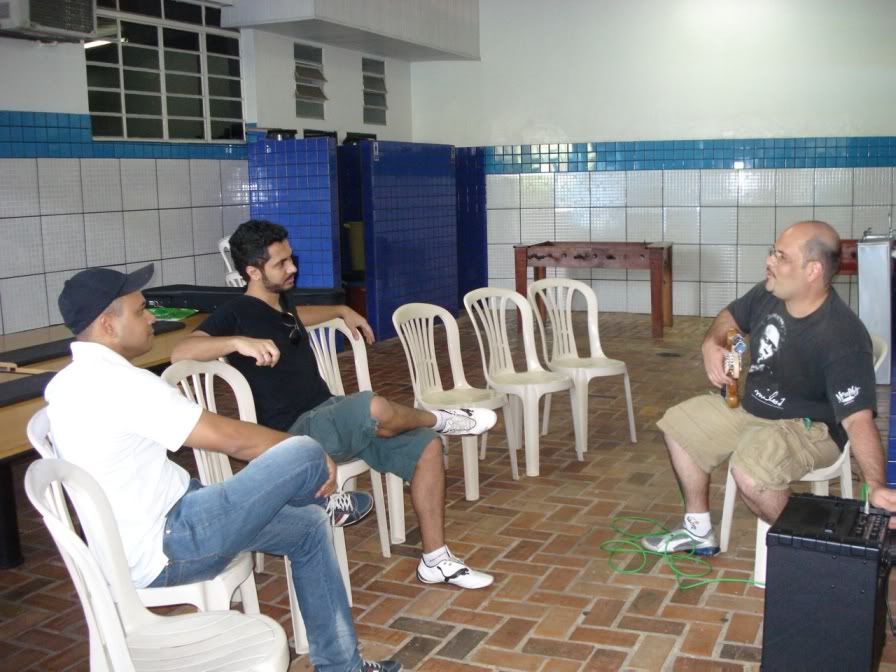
(159, 24)
(365, 73)
(316, 83)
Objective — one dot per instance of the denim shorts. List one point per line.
(343, 426)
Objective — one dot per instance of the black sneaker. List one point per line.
(381, 666)
(347, 508)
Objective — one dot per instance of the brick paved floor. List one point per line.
(556, 605)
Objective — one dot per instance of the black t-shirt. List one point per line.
(819, 367)
(284, 392)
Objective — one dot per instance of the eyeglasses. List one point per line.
(779, 256)
(296, 328)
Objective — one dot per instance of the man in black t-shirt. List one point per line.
(264, 337)
(810, 387)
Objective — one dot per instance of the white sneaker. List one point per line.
(682, 541)
(458, 421)
(453, 571)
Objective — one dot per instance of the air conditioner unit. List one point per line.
(70, 20)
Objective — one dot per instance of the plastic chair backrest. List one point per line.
(323, 342)
(196, 381)
(234, 279)
(224, 249)
(416, 327)
(880, 348)
(558, 295)
(488, 309)
(98, 569)
(39, 436)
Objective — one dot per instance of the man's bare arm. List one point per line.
(204, 348)
(311, 315)
(864, 441)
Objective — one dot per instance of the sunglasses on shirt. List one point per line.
(296, 329)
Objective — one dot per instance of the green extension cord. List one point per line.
(688, 569)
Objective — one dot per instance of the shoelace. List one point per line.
(339, 501)
(456, 422)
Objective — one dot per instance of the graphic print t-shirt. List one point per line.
(819, 366)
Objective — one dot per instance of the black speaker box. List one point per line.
(826, 586)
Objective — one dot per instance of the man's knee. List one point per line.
(430, 460)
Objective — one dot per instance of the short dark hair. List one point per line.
(249, 244)
(824, 249)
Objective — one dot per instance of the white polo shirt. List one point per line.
(118, 421)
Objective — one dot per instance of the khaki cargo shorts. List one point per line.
(772, 452)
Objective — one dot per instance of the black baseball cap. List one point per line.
(87, 294)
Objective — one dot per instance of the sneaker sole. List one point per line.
(352, 522)
(451, 583)
(703, 552)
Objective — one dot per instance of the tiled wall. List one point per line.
(721, 221)
(295, 185)
(58, 216)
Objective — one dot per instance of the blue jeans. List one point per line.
(269, 506)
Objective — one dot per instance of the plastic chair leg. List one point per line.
(395, 497)
(759, 560)
(513, 445)
(578, 397)
(727, 511)
(471, 468)
(299, 634)
(342, 560)
(546, 419)
(483, 442)
(379, 505)
(631, 412)
(531, 436)
(249, 596)
(846, 480)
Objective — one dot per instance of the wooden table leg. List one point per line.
(10, 549)
(667, 286)
(656, 293)
(519, 269)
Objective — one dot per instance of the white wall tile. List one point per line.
(795, 186)
(572, 223)
(718, 187)
(18, 188)
(715, 296)
(583, 274)
(756, 187)
(502, 191)
(21, 249)
(644, 224)
(838, 216)
(756, 226)
(681, 187)
(503, 283)
(751, 261)
(872, 186)
(207, 230)
(536, 225)
(611, 295)
(141, 236)
(138, 184)
(718, 263)
(607, 224)
(176, 228)
(743, 288)
(681, 224)
(685, 298)
(637, 296)
(842, 289)
(644, 188)
(63, 240)
(232, 216)
(874, 217)
(608, 274)
(59, 182)
(537, 190)
(786, 217)
(572, 190)
(500, 261)
(178, 271)
(173, 176)
(685, 262)
(24, 303)
(104, 238)
(234, 182)
(55, 282)
(101, 185)
(718, 225)
(607, 189)
(833, 186)
(210, 270)
(503, 226)
(205, 183)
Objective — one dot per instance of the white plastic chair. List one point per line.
(488, 309)
(196, 381)
(234, 279)
(322, 338)
(236, 581)
(819, 478)
(124, 635)
(224, 249)
(416, 327)
(557, 295)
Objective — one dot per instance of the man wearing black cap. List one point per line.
(118, 421)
